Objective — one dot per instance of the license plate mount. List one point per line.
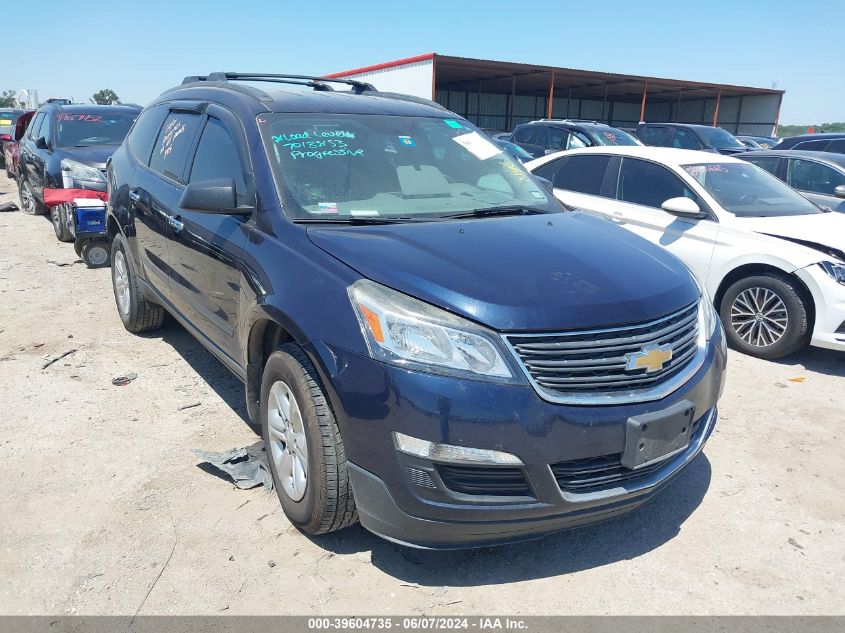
(653, 437)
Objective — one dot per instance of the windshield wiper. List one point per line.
(487, 212)
(359, 220)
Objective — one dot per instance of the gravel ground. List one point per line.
(105, 510)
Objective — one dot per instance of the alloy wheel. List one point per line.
(27, 200)
(120, 273)
(288, 447)
(759, 317)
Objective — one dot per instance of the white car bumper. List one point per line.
(829, 299)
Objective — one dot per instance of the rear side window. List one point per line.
(769, 163)
(837, 146)
(655, 135)
(650, 185)
(174, 140)
(583, 174)
(814, 146)
(807, 175)
(145, 131)
(218, 157)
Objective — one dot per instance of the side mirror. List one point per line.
(839, 192)
(211, 196)
(547, 184)
(5, 137)
(41, 142)
(682, 207)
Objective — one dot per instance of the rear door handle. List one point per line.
(134, 196)
(175, 223)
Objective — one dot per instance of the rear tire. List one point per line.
(304, 445)
(29, 204)
(58, 215)
(137, 313)
(765, 316)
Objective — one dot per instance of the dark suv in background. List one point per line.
(688, 136)
(833, 142)
(66, 147)
(547, 136)
(429, 341)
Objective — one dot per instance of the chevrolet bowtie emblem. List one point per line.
(652, 358)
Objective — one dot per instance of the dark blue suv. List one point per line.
(429, 341)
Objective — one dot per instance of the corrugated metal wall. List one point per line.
(754, 114)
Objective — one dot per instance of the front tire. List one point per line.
(765, 316)
(29, 204)
(137, 314)
(58, 214)
(304, 447)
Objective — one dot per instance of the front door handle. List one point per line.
(134, 196)
(175, 223)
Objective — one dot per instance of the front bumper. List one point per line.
(829, 303)
(410, 500)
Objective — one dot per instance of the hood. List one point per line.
(820, 229)
(542, 272)
(94, 156)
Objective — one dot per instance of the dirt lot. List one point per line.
(105, 511)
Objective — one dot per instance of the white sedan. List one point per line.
(773, 262)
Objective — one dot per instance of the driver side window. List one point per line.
(650, 184)
(684, 139)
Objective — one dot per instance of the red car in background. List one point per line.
(13, 124)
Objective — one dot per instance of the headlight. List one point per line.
(75, 174)
(404, 331)
(707, 315)
(835, 270)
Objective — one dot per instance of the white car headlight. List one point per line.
(76, 174)
(707, 315)
(410, 333)
(835, 270)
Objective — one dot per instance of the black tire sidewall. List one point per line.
(118, 244)
(797, 330)
(85, 249)
(304, 513)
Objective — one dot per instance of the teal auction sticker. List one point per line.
(452, 123)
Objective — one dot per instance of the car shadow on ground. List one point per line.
(622, 538)
(816, 359)
(211, 370)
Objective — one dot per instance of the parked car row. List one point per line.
(60, 163)
(431, 339)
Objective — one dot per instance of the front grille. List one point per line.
(598, 473)
(593, 362)
(482, 480)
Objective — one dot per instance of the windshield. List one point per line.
(340, 166)
(514, 150)
(612, 136)
(77, 129)
(748, 191)
(718, 138)
(7, 122)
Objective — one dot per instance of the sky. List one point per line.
(140, 48)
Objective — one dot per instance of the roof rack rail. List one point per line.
(571, 120)
(317, 83)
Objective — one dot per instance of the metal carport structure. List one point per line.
(499, 95)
